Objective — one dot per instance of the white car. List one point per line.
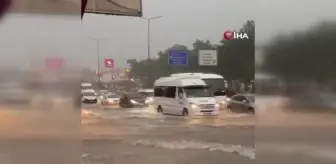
(110, 99)
(14, 92)
(89, 98)
(17, 95)
(88, 90)
(85, 86)
(184, 96)
(148, 93)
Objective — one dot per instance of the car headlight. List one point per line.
(193, 106)
(134, 102)
(149, 100)
(217, 105)
(224, 102)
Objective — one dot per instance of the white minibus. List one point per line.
(215, 82)
(184, 96)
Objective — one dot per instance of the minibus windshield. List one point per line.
(197, 91)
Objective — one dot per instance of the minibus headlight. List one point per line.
(193, 106)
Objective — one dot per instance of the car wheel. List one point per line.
(185, 112)
(159, 109)
(229, 108)
(251, 110)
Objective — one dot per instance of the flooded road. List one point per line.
(141, 135)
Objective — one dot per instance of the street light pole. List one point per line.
(98, 61)
(149, 43)
(98, 40)
(148, 39)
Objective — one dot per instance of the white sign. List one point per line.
(207, 57)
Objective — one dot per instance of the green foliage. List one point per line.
(305, 56)
(235, 59)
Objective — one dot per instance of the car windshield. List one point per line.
(250, 98)
(215, 85)
(87, 87)
(197, 91)
(147, 94)
(112, 96)
(135, 95)
(89, 94)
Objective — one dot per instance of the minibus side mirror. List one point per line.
(180, 96)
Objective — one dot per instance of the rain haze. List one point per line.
(203, 104)
(182, 22)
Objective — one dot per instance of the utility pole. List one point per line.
(149, 44)
(98, 40)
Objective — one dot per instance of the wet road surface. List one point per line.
(140, 135)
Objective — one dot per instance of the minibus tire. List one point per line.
(159, 109)
(185, 112)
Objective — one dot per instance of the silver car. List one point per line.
(242, 103)
(17, 96)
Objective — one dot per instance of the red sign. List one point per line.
(54, 63)
(109, 63)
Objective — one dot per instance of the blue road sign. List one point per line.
(128, 65)
(178, 58)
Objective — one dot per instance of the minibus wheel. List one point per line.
(159, 109)
(185, 112)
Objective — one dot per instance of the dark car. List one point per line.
(242, 103)
(130, 100)
(225, 92)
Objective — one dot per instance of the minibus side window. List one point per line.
(158, 91)
(170, 92)
(179, 91)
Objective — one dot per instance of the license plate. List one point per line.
(207, 114)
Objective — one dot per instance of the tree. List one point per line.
(235, 59)
(302, 56)
(305, 61)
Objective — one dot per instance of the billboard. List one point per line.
(59, 7)
(109, 63)
(115, 7)
(54, 63)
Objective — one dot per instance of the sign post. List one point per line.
(178, 58)
(109, 63)
(207, 57)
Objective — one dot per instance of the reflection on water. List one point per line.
(156, 119)
(224, 119)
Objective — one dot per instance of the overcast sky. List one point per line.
(25, 37)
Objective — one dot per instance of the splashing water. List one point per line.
(174, 145)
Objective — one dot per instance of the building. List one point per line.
(114, 74)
